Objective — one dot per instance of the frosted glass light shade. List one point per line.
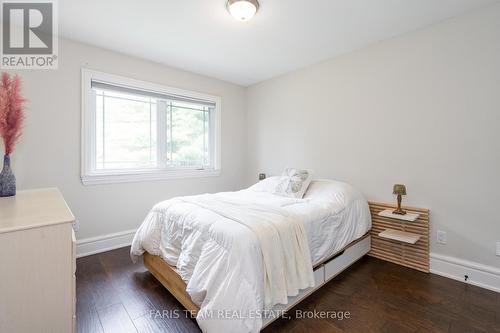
(242, 10)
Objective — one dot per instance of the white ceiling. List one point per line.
(200, 35)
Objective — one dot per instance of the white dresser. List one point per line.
(37, 263)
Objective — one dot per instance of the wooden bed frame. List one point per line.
(168, 277)
(326, 270)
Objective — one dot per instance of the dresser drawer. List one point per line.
(345, 259)
(36, 245)
(319, 276)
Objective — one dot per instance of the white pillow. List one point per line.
(293, 183)
(267, 185)
(332, 191)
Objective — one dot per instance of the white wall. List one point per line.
(422, 109)
(49, 151)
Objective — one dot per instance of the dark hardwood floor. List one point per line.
(114, 295)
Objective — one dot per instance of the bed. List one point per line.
(239, 259)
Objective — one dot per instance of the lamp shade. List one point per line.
(242, 10)
(399, 189)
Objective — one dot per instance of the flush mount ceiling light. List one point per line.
(242, 10)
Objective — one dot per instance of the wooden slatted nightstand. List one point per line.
(402, 239)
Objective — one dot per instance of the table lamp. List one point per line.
(399, 190)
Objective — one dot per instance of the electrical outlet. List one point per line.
(498, 249)
(441, 237)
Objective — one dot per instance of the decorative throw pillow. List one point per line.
(293, 183)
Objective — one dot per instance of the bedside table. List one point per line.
(401, 239)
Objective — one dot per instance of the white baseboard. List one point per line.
(93, 245)
(483, 276)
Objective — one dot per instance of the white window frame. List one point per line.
(90, 175)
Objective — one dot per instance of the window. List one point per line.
(134, 130)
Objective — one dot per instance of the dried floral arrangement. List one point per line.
(11, 111)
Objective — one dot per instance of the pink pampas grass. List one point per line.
(11, 111)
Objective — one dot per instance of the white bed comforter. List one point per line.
(243, 252)
(223, 245)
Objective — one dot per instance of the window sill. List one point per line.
(96, 179)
